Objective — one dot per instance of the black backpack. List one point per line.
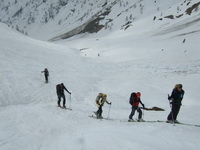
(132, 97)
(58, 89)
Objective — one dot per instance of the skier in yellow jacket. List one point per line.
(100, 100)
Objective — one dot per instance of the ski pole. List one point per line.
(143, 113)
(49, 79)
(109, 111)
(70, 98)
(41, 76)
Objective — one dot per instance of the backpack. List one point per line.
(100, 95)
(46, 72)
(132, 97)
(58, 89)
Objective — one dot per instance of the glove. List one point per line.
(110, 103)
(169, 97)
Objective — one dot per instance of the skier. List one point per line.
(175, 102)
(60, 93)
(46, 74)
(100, 100)
(134, 101)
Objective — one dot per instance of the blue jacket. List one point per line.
(177, 96)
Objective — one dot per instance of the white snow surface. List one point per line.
(150, 59)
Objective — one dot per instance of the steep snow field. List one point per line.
(30, 118)
(149, 56)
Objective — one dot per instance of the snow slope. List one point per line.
(31, 120)
(150, 59)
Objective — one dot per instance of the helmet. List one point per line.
(138, 94)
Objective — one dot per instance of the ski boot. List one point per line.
(141, 120)
(99, 117)
(131, 120)
(176, 121)
(170, 121)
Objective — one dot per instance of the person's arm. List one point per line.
(108, 102)
(181, 97)
(182, 92)
(142, 104)
(67, 90)
(172, 97)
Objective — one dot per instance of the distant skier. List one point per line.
(60, 93)
(46, 74)
(134, 101)
(100, 100)
(175, 102)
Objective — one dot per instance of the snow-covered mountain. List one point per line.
(57, 19)
(147, 46)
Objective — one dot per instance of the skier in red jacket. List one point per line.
(134, 101)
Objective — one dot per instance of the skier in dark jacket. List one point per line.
(135, 100)
(60, 93)
(175, 102)
(46, 74)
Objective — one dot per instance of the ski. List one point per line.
(136, 121)
(92, 116)
(160, 121)
(181, 123)
(65, 108)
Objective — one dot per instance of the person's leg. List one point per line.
(140, 113)
(172, 113)
(97, 113)
(100, 111)
(59, 99)
(46, 78)
(132, 112)
(64, 100)
(176, 111)
(170, 116)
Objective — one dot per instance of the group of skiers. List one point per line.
(59, 89)
(175, 101)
